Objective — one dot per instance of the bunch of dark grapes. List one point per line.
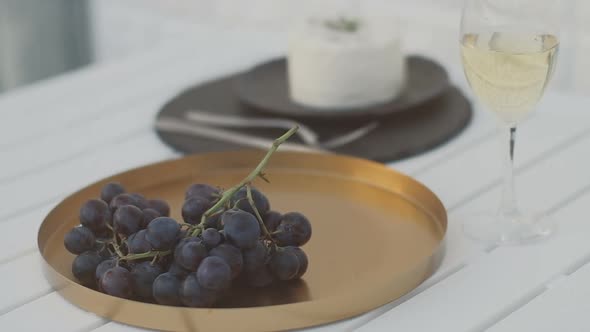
(128, 246)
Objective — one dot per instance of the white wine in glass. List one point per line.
(509, 71)
(509, 50)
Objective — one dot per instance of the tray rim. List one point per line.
(78, 294)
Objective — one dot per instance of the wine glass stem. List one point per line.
(509, 207)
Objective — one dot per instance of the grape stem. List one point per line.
(257, 214)
(155, 258)
(117, 250)
(227, 195)
(115, 242)
(148, 254)
(223, 200)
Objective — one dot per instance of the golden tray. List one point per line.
(377, 234)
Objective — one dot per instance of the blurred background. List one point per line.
(43, 38)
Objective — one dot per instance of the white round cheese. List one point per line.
(345, 63)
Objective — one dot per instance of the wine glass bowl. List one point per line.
(509, 71)
(509, 50)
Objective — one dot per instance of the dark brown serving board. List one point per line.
(399, 135)
(266, 88)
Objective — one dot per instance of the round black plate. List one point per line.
(266, 88)
(398, 135)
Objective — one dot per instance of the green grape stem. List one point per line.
(257, 214)
(148, 254)
(115, 242)
(227, 195)
(155, 259)
(116, 247)
(117, 250)
(218, 206)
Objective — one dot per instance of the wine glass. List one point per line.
(509, 50)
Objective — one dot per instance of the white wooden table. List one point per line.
(60, 135)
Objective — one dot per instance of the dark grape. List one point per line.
(260, 277)
(140, 201)
(139, 197)
(110, 190)
(182, 240)
(127, 219)
(103, 267)
(231, 255)
(240, 228)
(143, 276)
(214, 273)
(95, 215)
(148, 216)
(194, 295)
(284, 264)
(204, 191)
(302, 258)
(137, 243)
(271, 220)
(214, 221)
(211, 237)
(162, 233)
(189, 254)
(84, 267)
(164, 261)
(159, 205)
(183, 234)
(104, 233)
(116, 281)
(193, 209)
(240, 200)
(178, 270)
(79, 240)
(294, 230)
(256, 257)
(125, 199)
(166, 289)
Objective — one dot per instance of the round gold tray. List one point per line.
(377, 234)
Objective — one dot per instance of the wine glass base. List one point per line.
(495, 230)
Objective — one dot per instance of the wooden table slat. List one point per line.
(475, 296)
(68, 177)
(50, 313)
(563, 307)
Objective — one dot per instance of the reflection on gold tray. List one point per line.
(377, 235)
